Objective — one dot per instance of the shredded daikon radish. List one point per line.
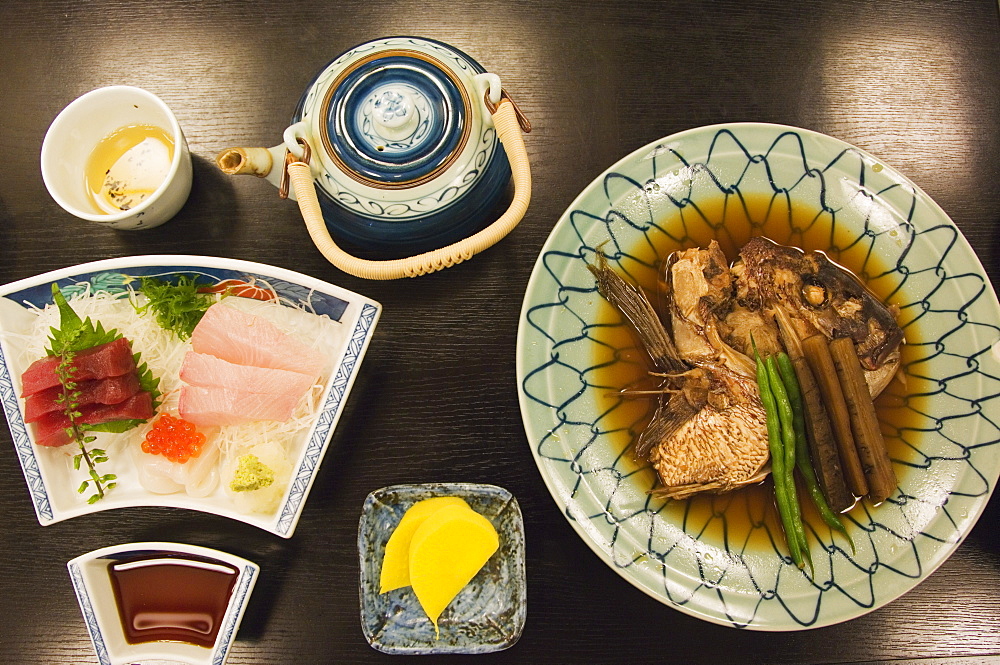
(163, 352)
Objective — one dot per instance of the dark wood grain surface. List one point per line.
(915, 82)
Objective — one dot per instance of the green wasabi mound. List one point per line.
(251, 474)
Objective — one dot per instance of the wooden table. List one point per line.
(915, 82)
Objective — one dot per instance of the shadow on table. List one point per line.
(199, 227)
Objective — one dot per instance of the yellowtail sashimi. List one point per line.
(201, 369)
(246, 339)
(209, 406)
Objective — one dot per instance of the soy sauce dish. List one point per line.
(162, 601)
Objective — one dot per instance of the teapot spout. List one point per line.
(252, 161)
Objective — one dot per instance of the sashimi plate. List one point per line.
(347, 321)
(722, 557)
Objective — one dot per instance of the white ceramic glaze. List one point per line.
(92, 583)
(80, 126)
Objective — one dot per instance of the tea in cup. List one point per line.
(117, 156)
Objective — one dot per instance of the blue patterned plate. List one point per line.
(714, 557)
(487, 615)
(51, 479)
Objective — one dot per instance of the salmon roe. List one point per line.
(174, 438)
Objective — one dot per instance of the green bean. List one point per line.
(803, 462)
(785, 418)
(776, 447)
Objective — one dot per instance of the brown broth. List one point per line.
(171, 598)
(622, 362)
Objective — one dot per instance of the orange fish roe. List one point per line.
(174, 438)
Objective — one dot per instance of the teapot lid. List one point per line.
(395, 118)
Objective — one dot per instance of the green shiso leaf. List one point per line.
(112, 426)
(73, 333)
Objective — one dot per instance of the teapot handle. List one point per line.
(508, 122)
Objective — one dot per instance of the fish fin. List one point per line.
(670, 415)
(635, 306)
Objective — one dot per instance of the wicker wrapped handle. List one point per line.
(508, 130)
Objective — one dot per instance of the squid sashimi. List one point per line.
(99, 362)
(198, 476)
(207, 406)
(50, 429)
(246, 339)
(111, 390)
(201, 369)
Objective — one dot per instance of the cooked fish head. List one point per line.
(819, 295)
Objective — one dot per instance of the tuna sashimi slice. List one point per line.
(208, 406)
(50, 429)
(201, 369)
(111, 359)
(111, 390)
(246, 339)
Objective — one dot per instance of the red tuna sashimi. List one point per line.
(201, 369)
(246, 339)
(209, 406)
(111, 390)
(50, 429)
(111, 359)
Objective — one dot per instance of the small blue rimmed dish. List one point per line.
(487, 615)
(191, 598)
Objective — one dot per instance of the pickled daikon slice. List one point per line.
(396, 562)
(446, 552)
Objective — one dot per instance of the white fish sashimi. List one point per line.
(246, 339)
(201, 369)
(206, 406)
(317, 331)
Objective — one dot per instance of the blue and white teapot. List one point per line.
(401, 145)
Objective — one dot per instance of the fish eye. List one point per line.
(814, 294)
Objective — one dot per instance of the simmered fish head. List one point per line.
(718, 448)
(697, 292)
(698, 279)
(709, 431)
(819, 295)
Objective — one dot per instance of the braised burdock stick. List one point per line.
(817, 353)
(822, 443)
(864, 421)
(823, 449)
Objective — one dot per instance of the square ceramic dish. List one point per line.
(348, 321)
(487, 615)
(92, 583)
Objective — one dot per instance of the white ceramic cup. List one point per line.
(78, 129)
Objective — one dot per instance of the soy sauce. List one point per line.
(172, 598)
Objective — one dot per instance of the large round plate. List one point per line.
(715, 558)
